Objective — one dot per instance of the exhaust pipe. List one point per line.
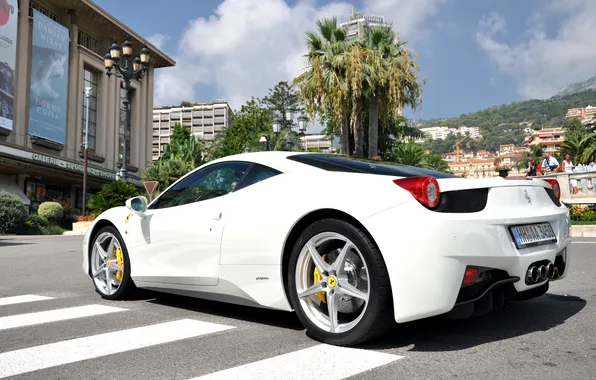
(550, 270)
(532, 274)
(542, 272)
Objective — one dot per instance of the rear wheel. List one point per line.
(339, 284)
(110, 265)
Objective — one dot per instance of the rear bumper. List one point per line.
(427, 254)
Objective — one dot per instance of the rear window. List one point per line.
(347, 164)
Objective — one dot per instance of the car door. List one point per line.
(178, 241)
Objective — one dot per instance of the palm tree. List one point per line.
(393, 82)
(583, 148)
(322, 86)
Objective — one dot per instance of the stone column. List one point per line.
(22, 77)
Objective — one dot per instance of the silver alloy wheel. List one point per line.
(104, 263)
(345, 283)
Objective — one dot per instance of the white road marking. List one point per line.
(22, 299)
(340, 362)
(583, 242)
(70, 351)
(29, 319)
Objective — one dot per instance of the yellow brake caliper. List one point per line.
(120, 262)
(317, 278)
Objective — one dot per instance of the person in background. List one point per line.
(567, 167)
(531, 168)
(550, 164)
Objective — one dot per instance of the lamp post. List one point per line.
(86, 146)
(266, 138)
(140, 63)
(302, 122)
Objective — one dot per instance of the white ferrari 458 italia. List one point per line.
(351, 245)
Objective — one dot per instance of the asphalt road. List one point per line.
(167, 337)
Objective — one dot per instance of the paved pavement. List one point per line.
(54, 326)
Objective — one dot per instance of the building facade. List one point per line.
(549, 138)
(358, 22)
(56, 49)
(205, 120)
(585, 115)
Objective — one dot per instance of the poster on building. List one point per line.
(9, 15)
(49, 79)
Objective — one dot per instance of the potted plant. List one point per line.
(503, 171)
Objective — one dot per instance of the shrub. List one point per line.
(52, 230)
(13, 211)
(111, 195)
(36, 222)
(52, 211)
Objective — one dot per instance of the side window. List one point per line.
(256, 174)
(211, 182)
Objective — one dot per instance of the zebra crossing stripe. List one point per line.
(30, 359)
(340, 363)
(22, 299)
(29, 319)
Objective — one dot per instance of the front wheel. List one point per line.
(339, 285)
(110, 265)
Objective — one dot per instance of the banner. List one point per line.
(49, 79)
(9, 16)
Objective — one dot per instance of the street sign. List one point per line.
(150, 187)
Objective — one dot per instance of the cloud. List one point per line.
(158, 40)
(543, 64)
(246, 46)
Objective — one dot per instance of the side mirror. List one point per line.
(137, 204)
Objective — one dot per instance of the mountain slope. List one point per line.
(504, 124)
(577, 88)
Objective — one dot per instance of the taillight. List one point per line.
(425, 189)
(555, 185)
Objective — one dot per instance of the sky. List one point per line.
(473, 53)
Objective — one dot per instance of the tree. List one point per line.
(322, 86)
(111, 195)
(181, 155)
(248, 125)
(284, 100)
(180, 135)
(392, 82)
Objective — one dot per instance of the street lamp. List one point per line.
(86, 146)
(302, 122)
(140, 65)
(266, 138)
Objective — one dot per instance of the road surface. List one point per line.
(54, 326)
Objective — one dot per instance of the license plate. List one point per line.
(533, 234)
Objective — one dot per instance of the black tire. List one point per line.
(378, 317)
(127, 287)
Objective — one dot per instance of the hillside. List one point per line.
(504, 124)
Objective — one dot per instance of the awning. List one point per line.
(8, 184)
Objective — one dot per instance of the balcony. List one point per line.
(586, 185)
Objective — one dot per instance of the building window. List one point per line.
(42, 10)
(89, 42)
(123, 124)
(90, 79)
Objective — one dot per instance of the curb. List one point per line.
(583, 231)
(75, 233)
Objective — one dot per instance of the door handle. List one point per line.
(218, 217)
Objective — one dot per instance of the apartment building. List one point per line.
(204, 119)
(358, 22)
(436, 133)
(550, 138)
(586, 114)
(50, 51)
